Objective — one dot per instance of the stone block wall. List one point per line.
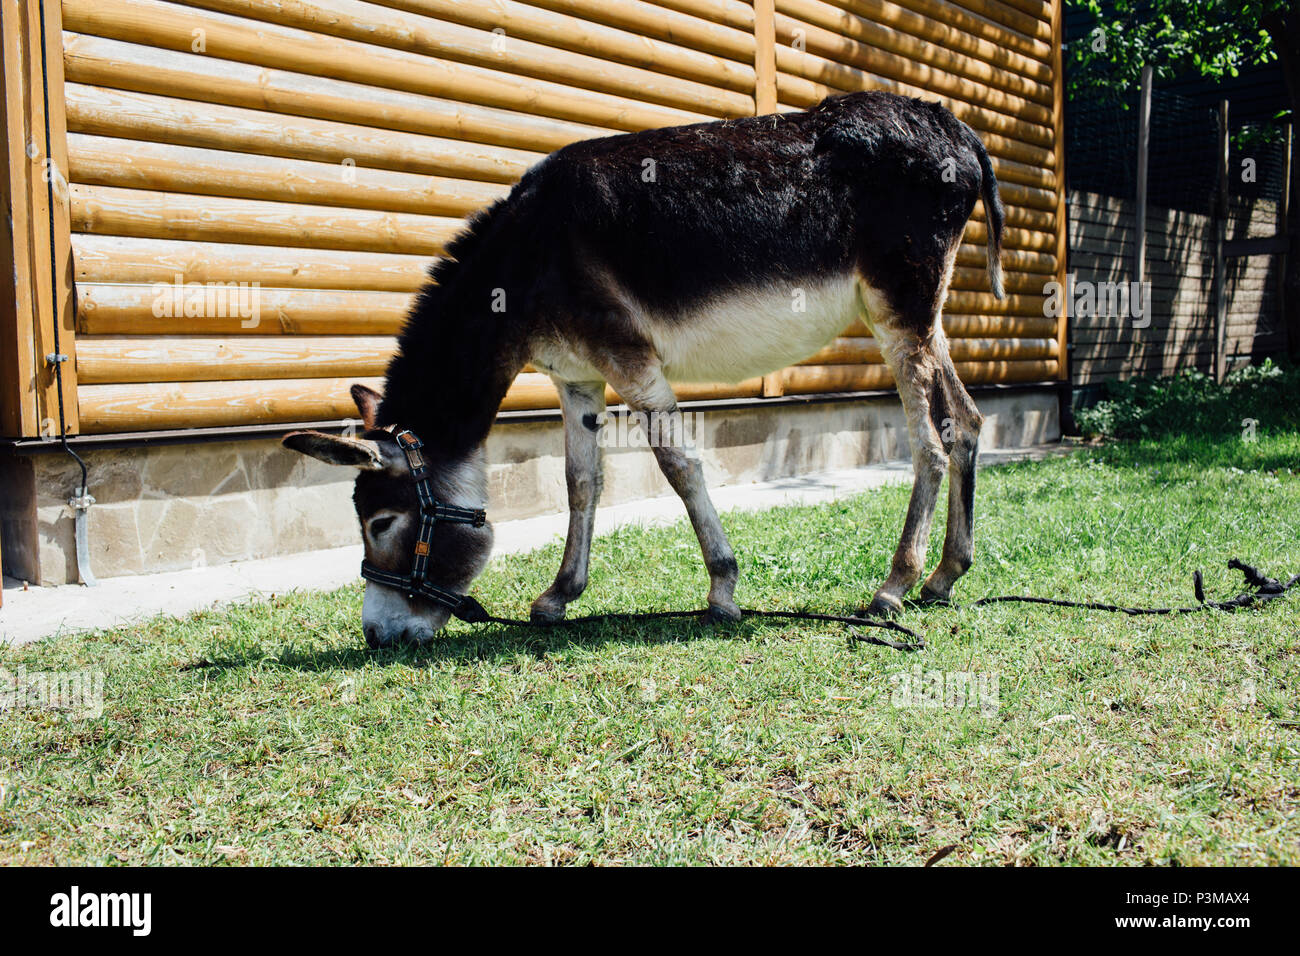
(169, 507)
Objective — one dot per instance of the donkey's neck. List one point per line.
(462, 480)
(451, 372)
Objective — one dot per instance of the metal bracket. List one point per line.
(55, 358)
(80, 505)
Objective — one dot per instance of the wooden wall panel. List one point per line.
(98, 62)
(323, 152)
(38, 314)
(1002, 80)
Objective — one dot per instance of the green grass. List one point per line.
(268, 734)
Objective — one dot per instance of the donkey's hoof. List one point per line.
(727, 613)
(546, 612)
(928, 597)
(881, 606)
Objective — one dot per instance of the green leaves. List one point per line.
(1211, 38)
(1191, 403)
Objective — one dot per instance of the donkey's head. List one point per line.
(388, 508)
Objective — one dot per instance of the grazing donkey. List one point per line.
(672, 255)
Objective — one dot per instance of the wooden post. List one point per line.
(1062, 211)
(1144, 153)
(18, 363)
(765, 102)
(765, 56)
(41, 300)
(54, 171)
(1283, 229)
(1220, 236)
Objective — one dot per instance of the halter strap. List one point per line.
(431, 512)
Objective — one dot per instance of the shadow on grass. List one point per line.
(500, 643)
(1180, 425)
(496, 643)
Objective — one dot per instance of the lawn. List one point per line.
(267, 733)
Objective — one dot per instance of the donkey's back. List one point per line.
(741, 247)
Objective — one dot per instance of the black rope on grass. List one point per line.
(1260, 590)
(1265, 589)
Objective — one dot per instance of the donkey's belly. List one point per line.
(751, 333)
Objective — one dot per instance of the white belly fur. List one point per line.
(753, 332)
(733, 338)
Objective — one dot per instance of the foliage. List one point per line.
(1210, 38)
(1191, 402)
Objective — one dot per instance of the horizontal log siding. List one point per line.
(998, 79)
(327, 150)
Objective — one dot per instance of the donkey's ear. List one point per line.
(367, 400)
(337, 450)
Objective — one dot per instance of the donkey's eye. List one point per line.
(380, 525)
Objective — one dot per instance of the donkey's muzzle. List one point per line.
(412, 633)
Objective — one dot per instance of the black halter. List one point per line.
(431, 512)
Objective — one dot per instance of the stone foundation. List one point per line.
(168, 507)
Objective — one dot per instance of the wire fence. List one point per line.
(1102, 147)
(1256, 160)
(1182, 229)
(1182, 171)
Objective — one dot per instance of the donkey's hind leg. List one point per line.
(960, 434)
(911, 357)
(645, 388)
(583, 404)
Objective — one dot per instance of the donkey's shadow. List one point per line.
(496, 644)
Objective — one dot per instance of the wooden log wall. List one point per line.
(328, 149)
(995, 66)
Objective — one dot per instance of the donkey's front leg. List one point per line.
(583, 405)
(648, 392)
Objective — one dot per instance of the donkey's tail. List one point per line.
(993, 212)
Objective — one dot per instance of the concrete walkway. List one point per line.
(32, 613)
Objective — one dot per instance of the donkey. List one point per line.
(674, 255)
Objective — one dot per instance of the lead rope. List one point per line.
(1265, 589)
